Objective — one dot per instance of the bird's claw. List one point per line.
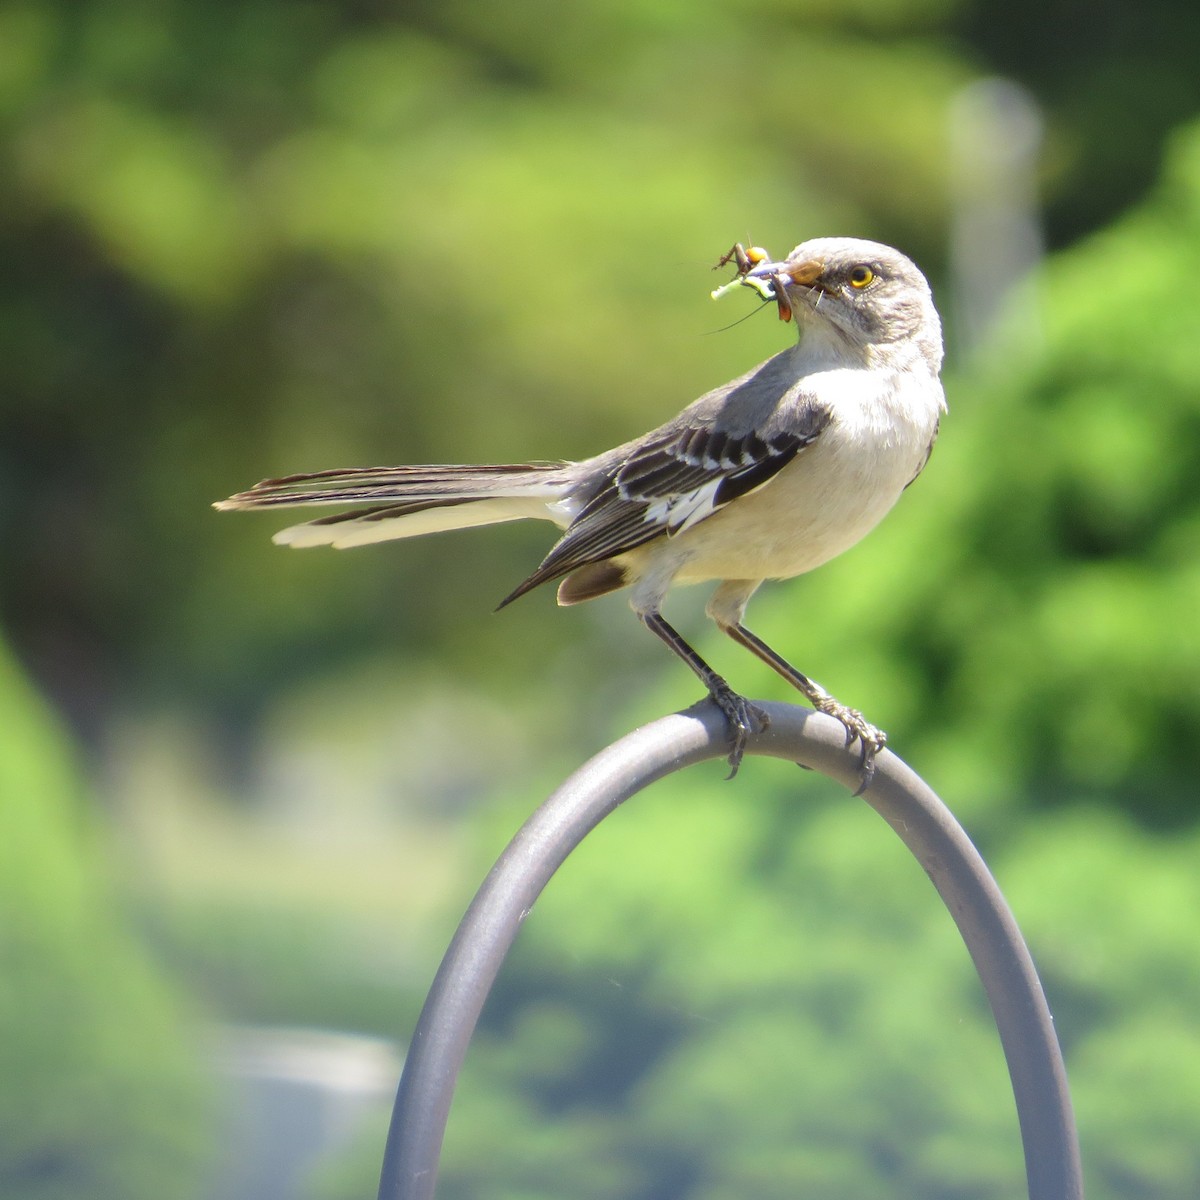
(858, 728)
(744, 719)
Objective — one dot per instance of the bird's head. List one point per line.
(864, 293)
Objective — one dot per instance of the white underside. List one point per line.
(825, 501)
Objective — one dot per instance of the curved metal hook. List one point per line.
(909, 806)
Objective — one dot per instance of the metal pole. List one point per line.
(543, 843)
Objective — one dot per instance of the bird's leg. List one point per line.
(744, 718)
(857, 726)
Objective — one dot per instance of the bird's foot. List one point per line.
(859, 729)
(744, 719)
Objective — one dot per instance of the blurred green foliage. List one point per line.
(778, 1005)
(1048, 647)
(100, 1094)
(243, 239)
(749, 988)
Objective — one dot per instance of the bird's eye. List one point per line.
(861, 276)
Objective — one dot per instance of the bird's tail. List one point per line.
(400, 502)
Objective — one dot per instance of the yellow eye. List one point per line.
(861, 276)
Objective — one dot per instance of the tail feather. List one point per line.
(354, 485)
(406, 501)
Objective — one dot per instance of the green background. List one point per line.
(239, 785)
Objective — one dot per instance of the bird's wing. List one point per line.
(928, 452)
(668, 484)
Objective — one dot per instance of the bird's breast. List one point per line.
(828, 498)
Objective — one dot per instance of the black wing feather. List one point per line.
(622, 514)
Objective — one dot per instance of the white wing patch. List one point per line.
(681, 511)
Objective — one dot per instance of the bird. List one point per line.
(766, 477)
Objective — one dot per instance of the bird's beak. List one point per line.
(806, 273)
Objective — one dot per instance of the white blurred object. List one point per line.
(996, 240)
(296, 1096)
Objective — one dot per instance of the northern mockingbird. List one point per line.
(764, 478)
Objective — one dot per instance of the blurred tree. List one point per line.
(1114, 78)
(101, 1096)
(717, 997)
(240, 239)
(1048, 646)
(727, 992)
